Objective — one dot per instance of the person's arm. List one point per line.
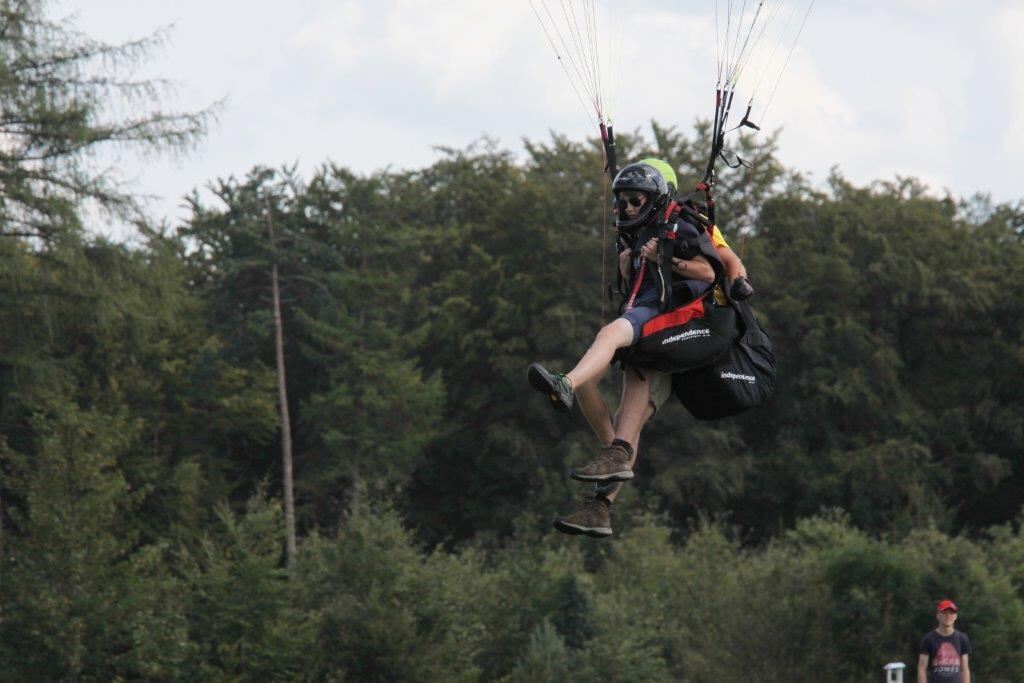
(739, 288)
(624, 264)
(734, 267)
(965, 668)
(922, 669)
(697, 268)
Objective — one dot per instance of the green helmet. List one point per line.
(667, 171)
(640, 177)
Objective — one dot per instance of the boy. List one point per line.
(944, 652)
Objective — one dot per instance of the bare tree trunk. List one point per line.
(282, 394)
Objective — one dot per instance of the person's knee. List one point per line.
(606, 332)
(618, 331)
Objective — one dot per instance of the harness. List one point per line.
(671, 245)
(688, 333)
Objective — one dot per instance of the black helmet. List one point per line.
(640, 177)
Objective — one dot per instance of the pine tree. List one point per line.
(64, 97)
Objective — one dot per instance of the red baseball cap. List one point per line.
(946, 605)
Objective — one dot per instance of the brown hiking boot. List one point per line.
(593, 518)
(612, 464)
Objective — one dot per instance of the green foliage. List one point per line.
(79, 601)
(546, 658)
(142, 535)
(897, 324)
(364, 408)
(63, 97)
(386, 612)
(240, 610)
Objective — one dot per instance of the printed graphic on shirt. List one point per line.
(946, 660)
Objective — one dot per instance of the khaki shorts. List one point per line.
(661, 388)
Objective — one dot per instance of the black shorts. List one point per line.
(638, 316)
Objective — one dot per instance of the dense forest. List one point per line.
(364, 338)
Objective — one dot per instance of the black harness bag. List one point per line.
(737, 380)
(689, 337)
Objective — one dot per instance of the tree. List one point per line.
(239, 601)
(80, 599)
(255, 244)
(373, 408)
(62, 99)
(897, 324)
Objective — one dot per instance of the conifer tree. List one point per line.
(63, 98)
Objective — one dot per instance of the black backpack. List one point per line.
(689, 337)
(738, 380)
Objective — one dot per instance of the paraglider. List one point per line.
(675, 318)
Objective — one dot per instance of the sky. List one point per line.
(925, 88)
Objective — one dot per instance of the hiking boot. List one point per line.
(611, 464)
(593, 518)
(556, 387)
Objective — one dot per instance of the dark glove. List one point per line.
(741, 289)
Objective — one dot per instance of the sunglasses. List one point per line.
(635, 201)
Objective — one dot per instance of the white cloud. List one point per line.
(821, 124)
(670, 80)
(1005, 27)
(875, 86)
(454, 43)
(448, 47)
(337, 30)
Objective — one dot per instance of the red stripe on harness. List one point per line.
(680, 316)
(636, 288)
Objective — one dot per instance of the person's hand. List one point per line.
(741, 289)
(624, 259)
(650, 250)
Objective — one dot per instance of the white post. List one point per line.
(894, 672)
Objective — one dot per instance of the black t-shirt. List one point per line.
(944, 654)
(684, 289)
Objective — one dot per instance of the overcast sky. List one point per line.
(928, 88)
